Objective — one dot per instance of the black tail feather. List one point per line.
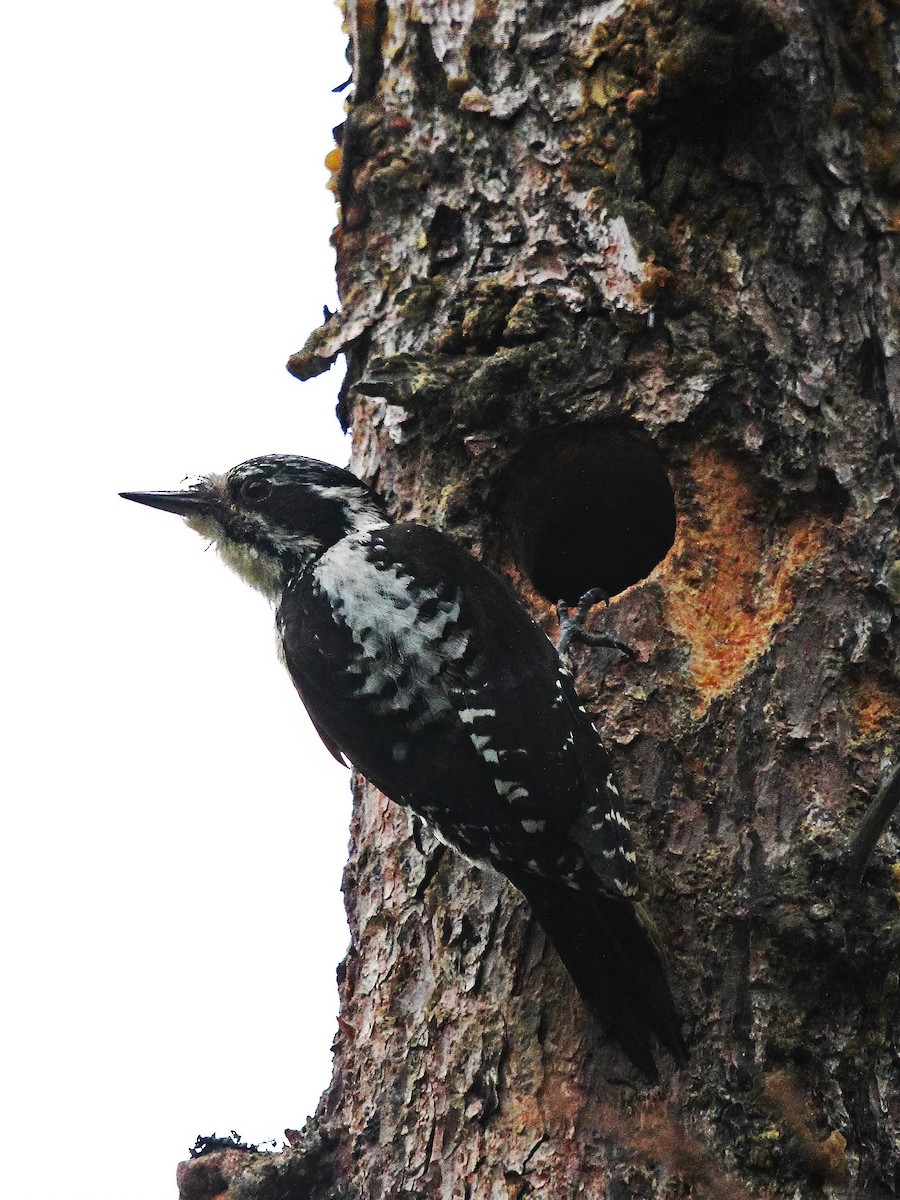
(608, 947)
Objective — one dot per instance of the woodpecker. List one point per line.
(421, 669)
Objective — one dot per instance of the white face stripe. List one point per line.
(360, 516)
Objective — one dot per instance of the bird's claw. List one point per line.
(416, 827)
(571, 627)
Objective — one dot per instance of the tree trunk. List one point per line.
(604, 268)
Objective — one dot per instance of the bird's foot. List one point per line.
(571, 626)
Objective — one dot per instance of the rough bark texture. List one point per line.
(578, 241)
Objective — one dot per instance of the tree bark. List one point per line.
(604, 267)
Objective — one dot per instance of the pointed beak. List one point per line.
(184, 504)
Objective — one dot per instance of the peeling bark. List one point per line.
(673, 223)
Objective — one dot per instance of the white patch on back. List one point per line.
(384, 618)
(510, 789)
(472, 714)
(534, 826)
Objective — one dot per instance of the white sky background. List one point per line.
(174, 833)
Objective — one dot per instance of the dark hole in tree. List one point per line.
(592, 508)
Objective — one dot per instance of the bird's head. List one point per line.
(271, 517)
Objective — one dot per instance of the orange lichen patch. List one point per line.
(366, 15)
(729, 578)
(826, 1157)
(333, 160)
(485, 10)
(873, 710)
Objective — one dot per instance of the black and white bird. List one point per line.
(422, 669)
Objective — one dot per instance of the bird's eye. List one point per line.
(255, 489)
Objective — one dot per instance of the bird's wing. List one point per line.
(445, 693)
